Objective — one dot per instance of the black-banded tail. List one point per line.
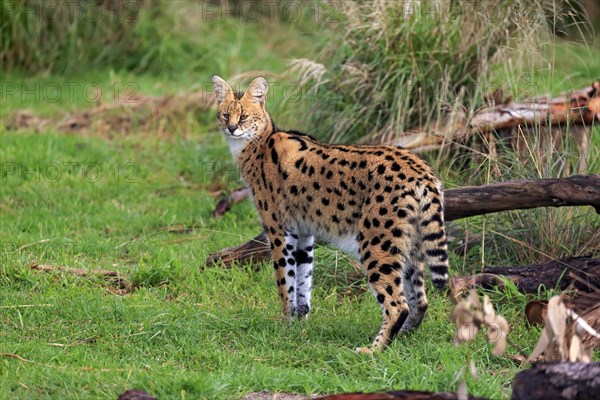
(433, 235)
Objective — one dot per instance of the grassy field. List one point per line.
(140, 204)
(184, 330)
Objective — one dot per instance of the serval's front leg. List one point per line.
(283, 245)
(303, 257)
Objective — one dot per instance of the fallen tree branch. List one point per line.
(578, 190)
(563, 380)
(581, 273)
(74, 271)
(579, 107)
(227, 202)
(398, 395)
(117, 283)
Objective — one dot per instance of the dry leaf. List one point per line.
(561, 338)
(535, 311)
(540, 347)
(500, 330)
(575, 348)
(462, 393)
(473, 299)
(470, 314)
(557, 316)
(473, 369)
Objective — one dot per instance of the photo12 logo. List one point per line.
(289, 92)
(122, 11)
(271, 11)
(70, 170)
(54, 92)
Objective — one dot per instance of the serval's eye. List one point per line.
(243, 117)
(226, 117)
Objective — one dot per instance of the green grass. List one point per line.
(202, 332)
(141, 205)
(186, 330)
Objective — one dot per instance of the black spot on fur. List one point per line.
(302, 257)
(385, 246)
(386, 269)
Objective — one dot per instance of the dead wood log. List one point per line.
(134, 394)
(564, 380)
(579, 107)
(253, 251)
(397, 395)
(227, 202)
(581, 272)
(578, 190)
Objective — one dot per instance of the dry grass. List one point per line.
(389, 71)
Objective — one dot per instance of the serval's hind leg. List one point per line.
(383, 262)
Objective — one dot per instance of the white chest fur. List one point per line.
(236, 145)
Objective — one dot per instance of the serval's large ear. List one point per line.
(221, 88)
(257, 90)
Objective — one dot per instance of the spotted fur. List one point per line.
(382, 204)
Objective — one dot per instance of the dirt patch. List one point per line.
(152, 114)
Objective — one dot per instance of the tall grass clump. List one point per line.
(398, 65)
(60, 37)
(141, 36)
(522, 237)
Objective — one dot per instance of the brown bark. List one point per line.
(565, 380)
(580, 107)
(134, 394)
(581, 272)
(227, 202)
(397, 395)
(578, 190)
(253, 251)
